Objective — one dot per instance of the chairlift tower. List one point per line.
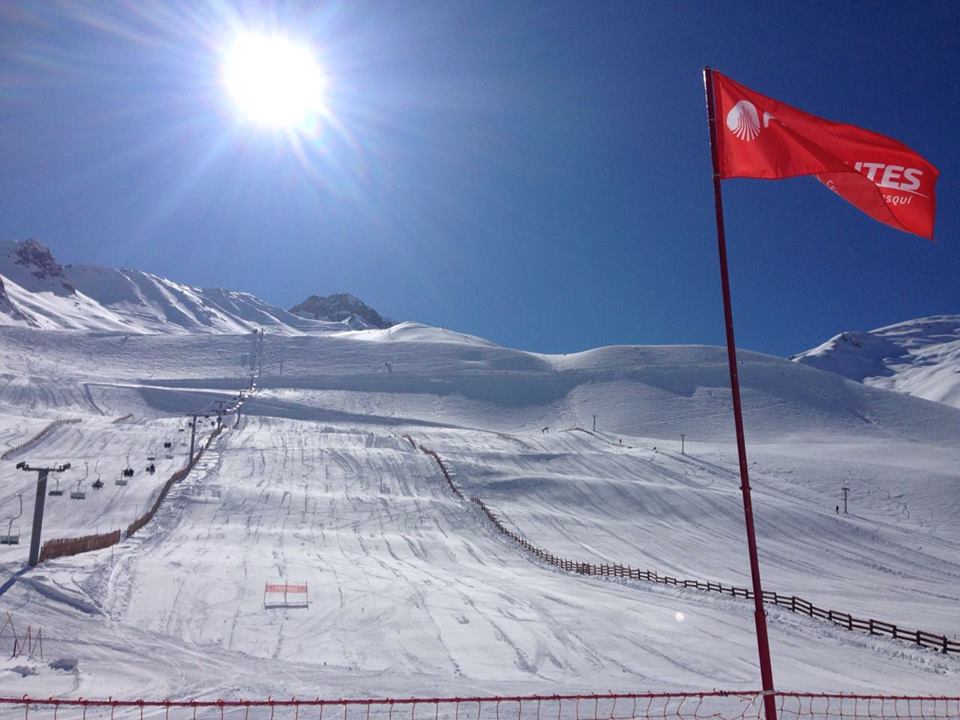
(42, 474)
(260, 368)
(193, 435)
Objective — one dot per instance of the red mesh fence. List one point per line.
(718, 705)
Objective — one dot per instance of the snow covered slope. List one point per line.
(412, 592)
(41, 293)
(919, 357)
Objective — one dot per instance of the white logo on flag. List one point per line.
(744, 121)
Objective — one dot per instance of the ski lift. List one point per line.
(151, 455)
(57, 491)
(79, 494)
(151, 468)
(13, 538)
(125, 474)
(98, 483)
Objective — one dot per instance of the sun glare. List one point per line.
(274, 82)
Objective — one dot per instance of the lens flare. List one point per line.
(274, 82)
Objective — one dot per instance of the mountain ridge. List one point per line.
(37, 291)
(919, 357)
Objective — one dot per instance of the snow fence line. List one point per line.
(175, 478)
(63, 547)
(942, 643)
(74, 546)
(7, 454)
(715, 704)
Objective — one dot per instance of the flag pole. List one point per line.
(760, 618)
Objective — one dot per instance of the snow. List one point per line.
(414, 332)
(919, 357)
(410, 589)
(46, 295)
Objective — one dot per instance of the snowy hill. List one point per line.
(919, 357)
(411, 591)
(39, 292)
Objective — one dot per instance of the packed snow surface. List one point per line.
(410, 589)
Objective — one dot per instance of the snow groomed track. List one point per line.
(412, 592)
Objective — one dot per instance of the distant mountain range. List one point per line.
(36, 291)
(919, 357)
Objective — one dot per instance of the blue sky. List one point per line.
(535, 173)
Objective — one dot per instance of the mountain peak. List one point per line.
(30, 264)
(341, 307)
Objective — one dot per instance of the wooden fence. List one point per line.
(791, 602)
(37, 438)
(62, 547)
(175, 478)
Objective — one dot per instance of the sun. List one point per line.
(274, 82)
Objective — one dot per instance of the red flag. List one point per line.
(760, 137)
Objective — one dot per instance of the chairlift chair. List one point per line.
(79, 494)
(56, 491)
(13, 538)
(98, 483)
(125, 475)
(151, 468)
(13, 535)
